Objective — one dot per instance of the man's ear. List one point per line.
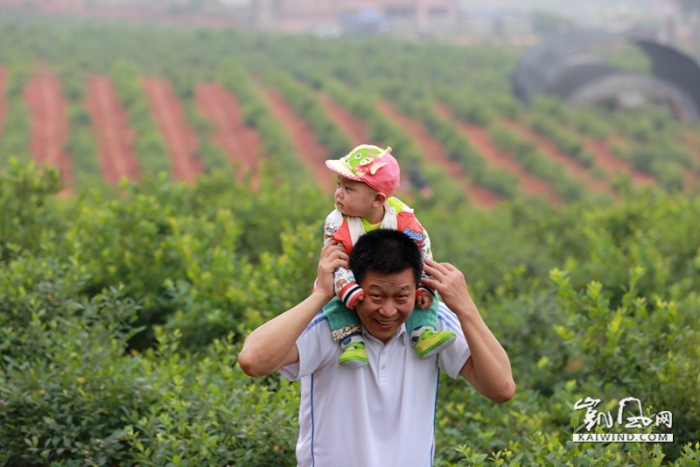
(379, 198)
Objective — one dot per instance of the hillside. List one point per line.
(321, 106)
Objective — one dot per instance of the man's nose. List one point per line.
(388, 309)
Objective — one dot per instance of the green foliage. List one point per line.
(82, 147)
(654, 160)
(211, 155)
(208, 412)
(467, 107)
(15, 130)
(26, 219)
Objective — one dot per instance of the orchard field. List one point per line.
(162, 192)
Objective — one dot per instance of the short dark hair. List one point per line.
(386, 252)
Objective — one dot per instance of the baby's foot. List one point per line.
(429, 342)
(354, 353)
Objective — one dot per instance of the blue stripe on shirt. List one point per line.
(317, 319)
(451, 322)
(313, 459)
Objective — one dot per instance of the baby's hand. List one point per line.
(359, 299)
(424, 300)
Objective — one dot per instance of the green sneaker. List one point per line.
(430, 343)
(354, 355)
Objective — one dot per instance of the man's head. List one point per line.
(388, 265)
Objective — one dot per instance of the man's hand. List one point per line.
(333, 256)
(450, 283)
(488, 369)
(424, 300)
(273, 345)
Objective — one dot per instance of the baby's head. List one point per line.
(367, 176)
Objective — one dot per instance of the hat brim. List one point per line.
(341, 169)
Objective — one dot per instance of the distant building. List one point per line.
(401, 18)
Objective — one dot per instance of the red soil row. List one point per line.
(574, 168)
(110, 126)
(169, 115)
(354, 129)
(3, 105)
(312, 154)
(239, 142)
(435, 154)
(692, 141)
(611, 165)
(49, 122)
(496, 158)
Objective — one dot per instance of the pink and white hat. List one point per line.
(371, 165)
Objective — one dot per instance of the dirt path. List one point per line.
(49, 123)
(550, 150)
(170, 117)
(435, 154)
(241, 143)
(611, 165)
(110, 125)
(312, 154)
(479, 137)
(3, 104)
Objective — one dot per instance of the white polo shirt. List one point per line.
(379, 415)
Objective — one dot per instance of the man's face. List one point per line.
(388, 302)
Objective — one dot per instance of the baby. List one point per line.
(367, 179)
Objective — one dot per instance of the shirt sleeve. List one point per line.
(333, 222)
(452, 359)
(316, 348)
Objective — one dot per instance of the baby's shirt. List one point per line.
(347, 230)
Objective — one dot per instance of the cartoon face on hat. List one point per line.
(369, 164)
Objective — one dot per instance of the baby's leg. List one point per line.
(346, 329)
(422, 325)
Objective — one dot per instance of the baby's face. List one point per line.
(354, 198)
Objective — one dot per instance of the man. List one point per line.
(381, 414)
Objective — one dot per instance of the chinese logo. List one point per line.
(630, 414)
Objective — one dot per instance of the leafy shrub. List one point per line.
(26, 218)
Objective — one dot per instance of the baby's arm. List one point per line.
(425, 295)
(346, 288)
